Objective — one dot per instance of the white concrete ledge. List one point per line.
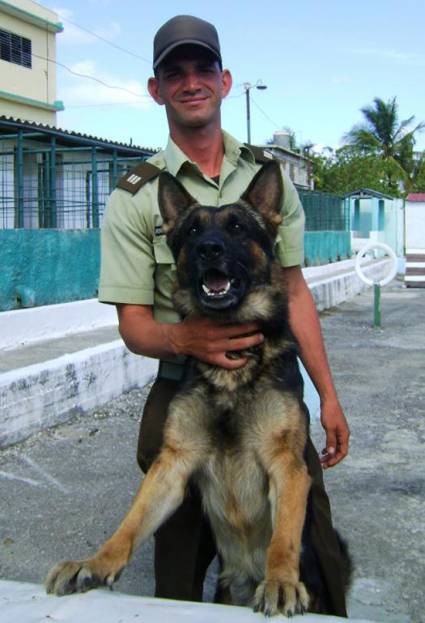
(330, 289)
(42, 395)
(28, 326)
(28, 603)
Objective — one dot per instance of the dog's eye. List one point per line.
(234, 226)
(193, 230)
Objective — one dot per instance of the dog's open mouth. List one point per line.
(217, 288)
(215, 284)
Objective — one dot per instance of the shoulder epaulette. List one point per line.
(138, 176)
(260, 154)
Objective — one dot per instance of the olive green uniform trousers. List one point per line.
(184, 545)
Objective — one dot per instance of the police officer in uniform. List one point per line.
(137, 273)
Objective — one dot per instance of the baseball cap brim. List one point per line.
(173, 46)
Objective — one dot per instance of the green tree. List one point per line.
(382, 135)
(418, 185)
(343, 171)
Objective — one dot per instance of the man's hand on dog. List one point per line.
(337, 433)
(210, 342)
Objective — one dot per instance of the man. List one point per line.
(137, 275)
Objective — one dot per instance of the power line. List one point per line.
(109, 86)
(108, 41)
(275, 124)
(101, 105)
(80, 75)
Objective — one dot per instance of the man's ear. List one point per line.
(265, 194)
(227, 81)
(173, 200)
(153, 88)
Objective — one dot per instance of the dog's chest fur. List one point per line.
(232, 480)
(234, 488)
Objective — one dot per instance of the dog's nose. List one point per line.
(210, 250)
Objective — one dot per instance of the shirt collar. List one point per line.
(175, 158)
(233, 150)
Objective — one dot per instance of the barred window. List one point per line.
(15, 49)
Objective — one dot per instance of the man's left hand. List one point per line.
(337, 433)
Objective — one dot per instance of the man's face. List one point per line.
(191, 86)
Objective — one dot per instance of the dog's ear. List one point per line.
(265, 193)
(173, 200)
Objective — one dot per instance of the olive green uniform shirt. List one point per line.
(137, 265)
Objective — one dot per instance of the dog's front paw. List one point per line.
(277, 596)
(79, 576)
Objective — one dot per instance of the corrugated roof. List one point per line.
(416, 197)
(13, 122)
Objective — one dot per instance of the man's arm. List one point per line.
(198, 337)
(305, 325)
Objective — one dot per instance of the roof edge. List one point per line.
(20, 124)
(363, 193)
(22, 99)
(30, 18)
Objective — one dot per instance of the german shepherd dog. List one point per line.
(238, 434)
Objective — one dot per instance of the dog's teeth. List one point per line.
(220, 292)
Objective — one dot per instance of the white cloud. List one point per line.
(106, 89)
(406, 58)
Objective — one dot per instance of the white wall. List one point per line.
(415, 225)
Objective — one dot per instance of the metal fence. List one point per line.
(67, 188)
(68, 195)
(325, 211)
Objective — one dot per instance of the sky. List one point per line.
(322, 61)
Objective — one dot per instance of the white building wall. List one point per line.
(415, 225)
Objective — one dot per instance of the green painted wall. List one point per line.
(42, 267)
(321, 247)
(46, 266)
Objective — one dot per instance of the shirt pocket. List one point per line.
(162, 252)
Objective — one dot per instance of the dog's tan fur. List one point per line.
(252, 477)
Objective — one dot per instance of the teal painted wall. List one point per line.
(321, 247)
(46, 266)
(42, 267)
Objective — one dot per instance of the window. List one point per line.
(15, 49)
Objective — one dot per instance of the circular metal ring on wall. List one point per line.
(384, 247)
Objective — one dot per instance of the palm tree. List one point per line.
(382, 135)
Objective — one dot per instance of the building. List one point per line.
(297, 166)
(27, 61)
(375, 217)
(415, 240)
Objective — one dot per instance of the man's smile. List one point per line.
(193, 100)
